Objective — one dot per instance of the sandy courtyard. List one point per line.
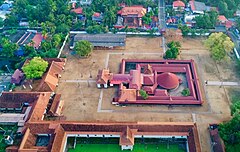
(84, 102)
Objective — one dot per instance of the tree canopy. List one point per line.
(206, 21)
(35, 68)
(173, 50)
(83, 48)
(219, 45)
(143, 94)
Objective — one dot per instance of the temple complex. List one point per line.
(162, 80)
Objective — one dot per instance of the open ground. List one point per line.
(84, 102)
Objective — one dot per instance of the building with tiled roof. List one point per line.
(178, 5)
(20, 107)
(132, 16)
(78, 10)
(217, 143)
(49, 80)
(222, 19)
(17, 77)
(36, 41)
(57, 133)
(157, 78)
(168, 80)
(197, 7)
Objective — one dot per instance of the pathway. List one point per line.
(221, 83)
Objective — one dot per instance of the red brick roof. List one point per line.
(37, 39)
(96, 14)
(138, 11)
(222, 18)
(78, 10)
(16, 99)
(178, 3)
(17, 76)
(57, 105)
(168, 80)
(126, 130)
(50, 79)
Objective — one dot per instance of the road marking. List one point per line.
(221, 83)
(100, 101)
(194, 117)
(77, 81)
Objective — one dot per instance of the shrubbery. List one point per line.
(173, 50)
(143, 94)
(186, 92)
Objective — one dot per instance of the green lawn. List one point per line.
(117, 148)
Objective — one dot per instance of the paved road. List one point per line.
(161, 14)
(222, 83)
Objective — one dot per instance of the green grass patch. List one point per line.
(117, 148)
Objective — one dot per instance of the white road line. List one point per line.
(116, 53)
(106, 61)
(100, 101)
(221, 83)
(76, 81)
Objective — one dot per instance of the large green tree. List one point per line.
(83, 48)
(230, 133)
(35, 68)
(219, 45)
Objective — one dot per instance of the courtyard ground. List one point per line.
(84, 102)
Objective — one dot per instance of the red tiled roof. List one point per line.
(103, 76)
(128, 95)
(96, 14)
(148, 79)
(229, 24)
(16, 99)
(57, 105)
(78, 10)
(178, 3)
(168, 80)
(126, 130)
(222, 18)
(119, 78)
(50, 79)
(192, 5)
(37, 39)
(17, 76)
(138, 11)
(218, 146)
(40, 107)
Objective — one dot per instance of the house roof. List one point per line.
(219, 145)
(229, 24)
(168, 80)
(59, 131)
(96, 14)
(37, 39)
(197, 6)
(56, 106)
(178, 3)
(222, 18)
(17, 76)
(128, 95)
(37, 100)
(78, 10)
(16, 99)
(50, 79)
(103, 76)
(136, 81)
(138, 11)
(102, 40)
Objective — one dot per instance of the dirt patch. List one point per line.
(84, 102)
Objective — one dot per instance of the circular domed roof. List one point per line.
(168, 80)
